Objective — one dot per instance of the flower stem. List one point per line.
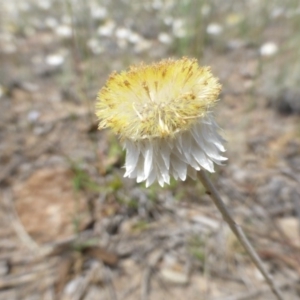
(238, 231)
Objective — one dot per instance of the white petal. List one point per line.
(161, 181)
(140, 171)
(211, 135)
(161, 167)
(176, 152)
(148, 165)
(165, 153)
(179, 167)
(178, 143)
(132, 156)
(186, 150)
(166, 177)
(209, 148)
(151, 178)
(202, 159)
(193, 163)
(174, 174)
(180, 156)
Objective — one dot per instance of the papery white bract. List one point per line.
(158, 159)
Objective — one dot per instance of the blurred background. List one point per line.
(71, 227)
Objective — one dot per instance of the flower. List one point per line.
(162, 114)
(268, 49)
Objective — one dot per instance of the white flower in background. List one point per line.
(64, 31)
(51, 22)
(95, 46)
(55, 60)
(106, 29)
(142, 45)
(123, 33)
(165, 38)
(44, 4)
(168, 20)
(98, 13)
(214, 29)
(134, 38)
(162, 114)
(178, 28)
(157, 4)
(277, 12)
(268, 49)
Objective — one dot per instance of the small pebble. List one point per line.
(174, 277)
(33, 116)
(287, 101)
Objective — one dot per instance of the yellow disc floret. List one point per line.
(157, 100)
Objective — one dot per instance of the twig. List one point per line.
(146, 283)
(145, 291)
(110, 285)
(82, 288)
(287, 260)
(8, 170)
(13, 281)
(130, 291)
(238, 231)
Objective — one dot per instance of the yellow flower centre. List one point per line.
(157, 100)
